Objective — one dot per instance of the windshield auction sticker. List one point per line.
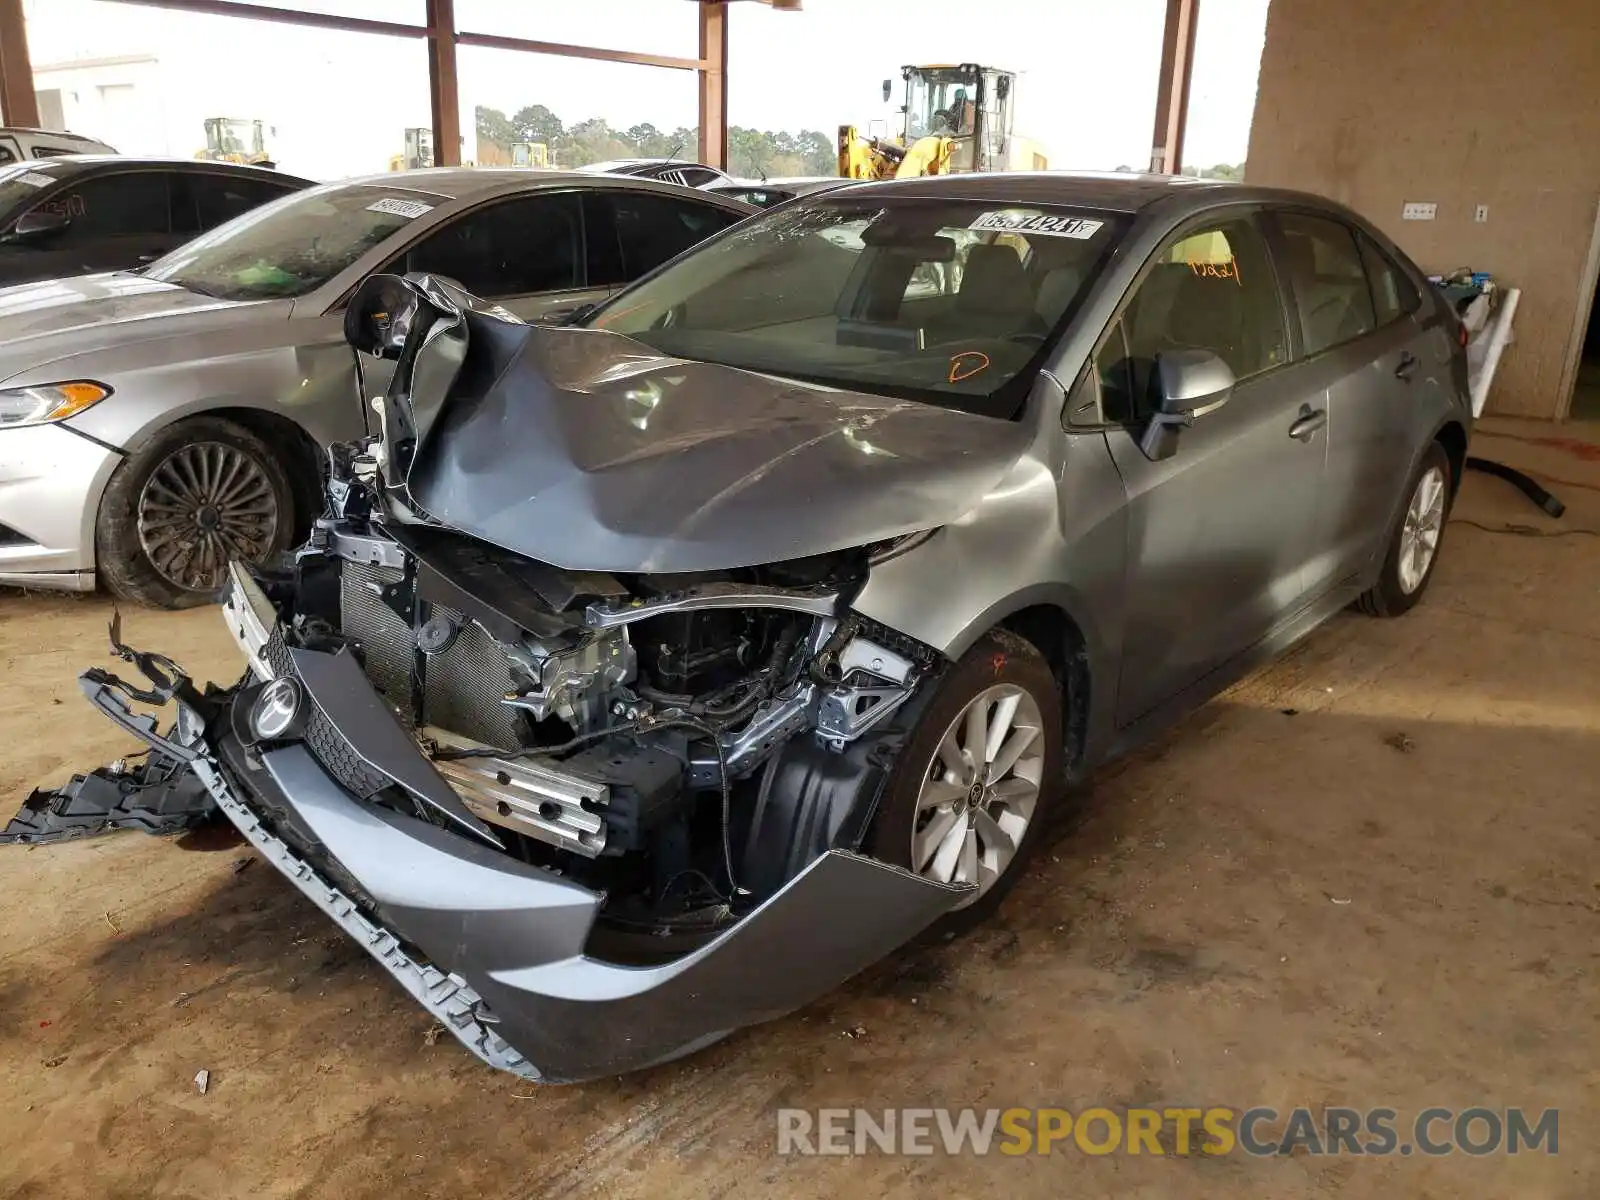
(1018, 220)
(34, 179)
(410, 209)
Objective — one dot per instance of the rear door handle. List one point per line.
(1407, 367)
(1309, 421)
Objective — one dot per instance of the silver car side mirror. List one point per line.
(1190, 384)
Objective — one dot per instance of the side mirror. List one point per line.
(1002, 87)
(1189, 384)
(38, 224)
(1192, 382)
(888, 86)
(378, 316)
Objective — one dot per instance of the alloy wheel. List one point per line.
(1419, 536)
(203, 505)
(980, 790)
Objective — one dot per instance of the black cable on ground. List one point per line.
(1525, 530)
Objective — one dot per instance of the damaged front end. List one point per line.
(591, 820)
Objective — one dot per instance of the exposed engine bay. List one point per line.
(663, 738)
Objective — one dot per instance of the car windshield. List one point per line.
(294, 245)
(20, 182)
(947, 301)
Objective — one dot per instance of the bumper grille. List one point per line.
(326, 743)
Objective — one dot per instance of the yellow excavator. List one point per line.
(235, 140)
(956, 117)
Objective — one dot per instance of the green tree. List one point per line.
(494, 125)
(536, 123)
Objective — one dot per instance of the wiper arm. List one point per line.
(208, 293)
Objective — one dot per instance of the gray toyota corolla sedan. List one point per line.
(647, 679)
(155, 424)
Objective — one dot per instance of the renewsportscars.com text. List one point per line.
(1259, 1131)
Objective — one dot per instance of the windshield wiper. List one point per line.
(209, 293)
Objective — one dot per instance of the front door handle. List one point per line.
(1309, 421)
(1407, 367)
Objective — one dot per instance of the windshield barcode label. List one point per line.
(34, 179)
(400, 208)
(1017, 221)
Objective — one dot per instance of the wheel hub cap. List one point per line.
(204, 505)
(1419, 535)
(979, 790)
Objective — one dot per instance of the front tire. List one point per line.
(983, 764)
(200, 493)
(1414, 542)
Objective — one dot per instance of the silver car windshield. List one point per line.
(948, 301)
(294, 245)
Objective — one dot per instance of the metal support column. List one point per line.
(1172, 95)
(444, 90)
(713, 77)
(18, 104)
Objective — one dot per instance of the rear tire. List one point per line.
(200, 492)
(968, 811)
(1415, 540)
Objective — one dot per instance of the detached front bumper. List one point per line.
(497, 950)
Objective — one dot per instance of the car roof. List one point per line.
(55, 133)
(465, 183)
(1119, 191)
(87, 161)
(612, 164)
(1112, 191)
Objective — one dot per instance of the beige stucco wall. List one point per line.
(1459, 102)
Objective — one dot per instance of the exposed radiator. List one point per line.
(386, 638)
(463, 685)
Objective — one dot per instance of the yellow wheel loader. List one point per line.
(955, 118)
(235, 140)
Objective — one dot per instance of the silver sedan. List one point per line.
(155, 424)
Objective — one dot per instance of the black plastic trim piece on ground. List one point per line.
(159, 797)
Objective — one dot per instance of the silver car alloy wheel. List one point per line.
(1419, 536)
(980, 790)
(204, 504)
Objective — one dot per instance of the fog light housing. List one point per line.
(275, 711)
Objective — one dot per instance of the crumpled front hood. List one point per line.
(591, 452)
(59, 318)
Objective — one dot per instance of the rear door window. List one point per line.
(515, 247)
(221, 198)
(1393, 295)
(651, 229)
(1324, 271)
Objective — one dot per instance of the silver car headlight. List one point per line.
(47, 402)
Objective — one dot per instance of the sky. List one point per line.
(340, 102)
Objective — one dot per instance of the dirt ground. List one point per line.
(1367, 876)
